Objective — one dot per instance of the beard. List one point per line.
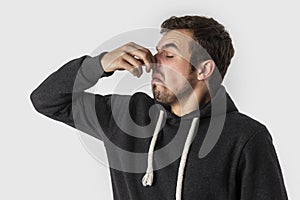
(163, 95)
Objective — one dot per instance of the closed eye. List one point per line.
(168, 54)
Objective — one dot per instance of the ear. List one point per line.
(205, 69)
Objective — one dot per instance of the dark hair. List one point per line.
(210, 34)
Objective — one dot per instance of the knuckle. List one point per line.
(119, 61)
(148, 51)
(131, 43)
(124, 48)
(144, 54)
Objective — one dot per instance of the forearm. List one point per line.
(61, 96)
(56, 90)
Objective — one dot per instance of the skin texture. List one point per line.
(173, 81)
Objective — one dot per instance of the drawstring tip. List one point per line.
(148, 179)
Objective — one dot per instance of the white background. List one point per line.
(44, 159)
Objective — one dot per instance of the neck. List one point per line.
(189, 103)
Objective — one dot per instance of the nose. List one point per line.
(157, 58)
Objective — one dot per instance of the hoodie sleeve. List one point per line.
(260, 175)
(61, 96)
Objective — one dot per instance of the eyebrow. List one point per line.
(169, 45)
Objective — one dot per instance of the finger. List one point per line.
(142, 53)
(148, 68)
(142, 56)
(131, 68)
(140, 69)
(137, 71)
(146, 50)
(151, 57)
(137, 46)
(133, 61)
(152, 62)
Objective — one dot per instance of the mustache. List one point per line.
(156, 70)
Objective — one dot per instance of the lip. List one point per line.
(156, 78)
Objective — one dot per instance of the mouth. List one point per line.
(156, 78)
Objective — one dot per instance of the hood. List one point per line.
(220, 103)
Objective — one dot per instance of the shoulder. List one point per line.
(243, 128)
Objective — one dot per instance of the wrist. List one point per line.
(105, 71)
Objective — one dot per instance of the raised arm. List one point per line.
(62, 97)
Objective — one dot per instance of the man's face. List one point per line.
(172, 78)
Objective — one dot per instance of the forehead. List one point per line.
(181, 38)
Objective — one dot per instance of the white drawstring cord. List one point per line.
(183, 159)
(148, 177)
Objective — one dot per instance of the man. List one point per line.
(190, 141)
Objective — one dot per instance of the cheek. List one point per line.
(174, 80)
(177, 72)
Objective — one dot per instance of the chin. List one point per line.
(162, 94)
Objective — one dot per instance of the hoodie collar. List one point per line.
(205, 111)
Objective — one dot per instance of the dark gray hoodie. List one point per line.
(214, 153)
